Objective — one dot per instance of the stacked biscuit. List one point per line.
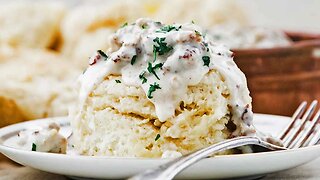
(160, 91)
(132, 128)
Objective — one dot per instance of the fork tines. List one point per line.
(303, 129)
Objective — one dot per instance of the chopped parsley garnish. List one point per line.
(157, 137)
(154, 54)
(169, 28)
(192, 21)
(206, 60)
(197, 33)
(153, 87)
(206, 45)
(151, 69)
(141, 76)
(133, 60)
(124, 25)
(34, 147)
(118, 81)
(144, 26)
(101, 53)
(161, 48)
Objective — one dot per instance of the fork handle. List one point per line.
(172, 168)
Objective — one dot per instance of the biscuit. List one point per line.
(159, 91)
(125, 123)
(30, 24)
(39, 82)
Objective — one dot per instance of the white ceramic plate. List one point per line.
(228, 166)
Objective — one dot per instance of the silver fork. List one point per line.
(297, 134)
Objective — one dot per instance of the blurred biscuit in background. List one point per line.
(9, 112)
(30, 24)
(88, 44)
(38, 83)
(86, 28)
(206, 13)
(6, 52)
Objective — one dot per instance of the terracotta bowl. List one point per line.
(281, 78)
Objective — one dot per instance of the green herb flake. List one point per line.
(34, 147)
(153, 87)
(118, 81)
(124, 25)
(101, 53)
(133, 60)
(197, 33)
(154, 54)
(192, 21)
(144, 26)
(158, 23)
(169, 28)
(206, 45)
(206, 60)
(151, 69)
(141, 76)
(157, 137)
(161, 47)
